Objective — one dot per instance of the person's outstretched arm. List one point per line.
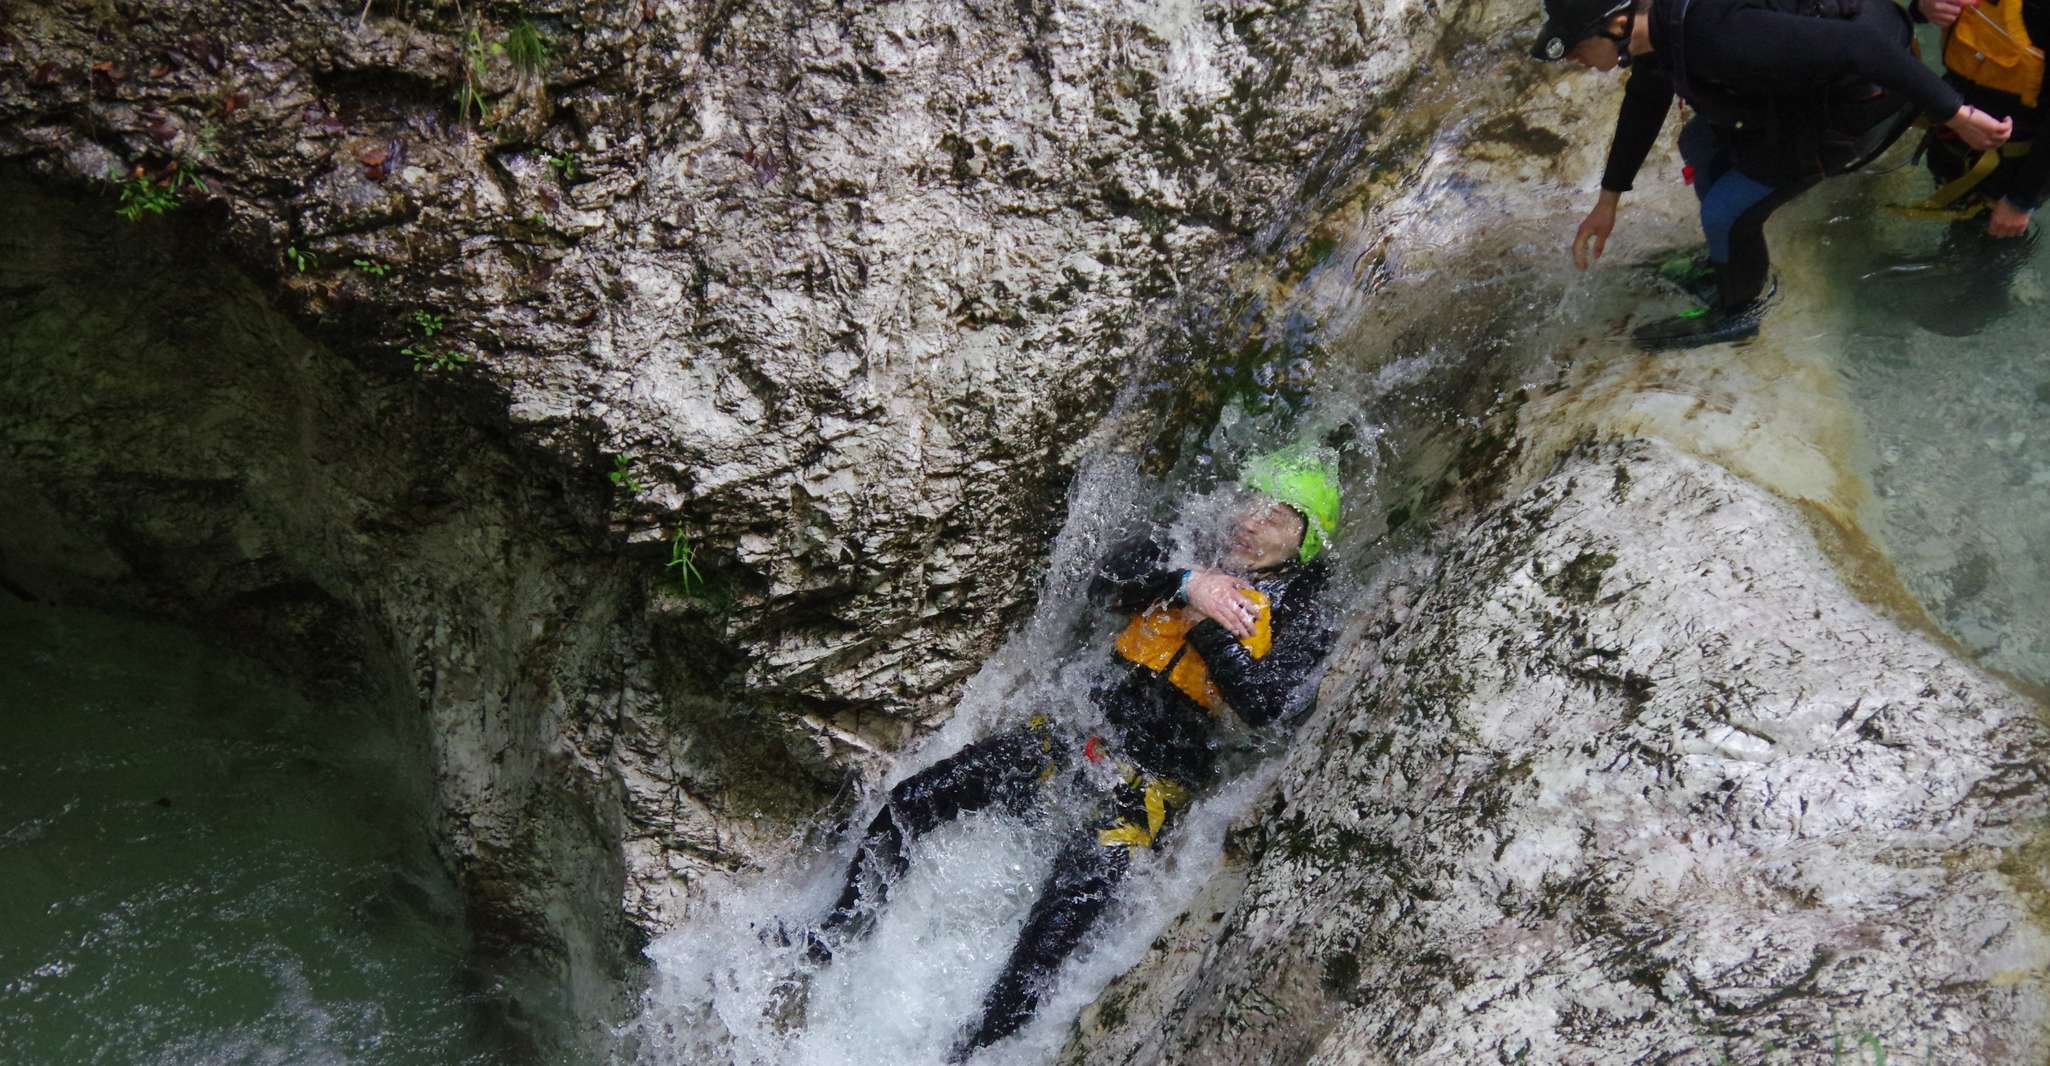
(1787, 53)
(1647, 96)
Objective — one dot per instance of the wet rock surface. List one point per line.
(842, 282)
(1624, 775)
(811, 301)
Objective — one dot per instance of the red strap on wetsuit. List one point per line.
(1089, 750)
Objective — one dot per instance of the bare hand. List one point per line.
(1944, 12)
(1593, 236)
(1979, 129)
(2007, 220)
(1220, 597)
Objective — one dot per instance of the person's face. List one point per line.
(1265, 533)
(1596, 53)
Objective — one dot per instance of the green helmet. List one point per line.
(1305, 479)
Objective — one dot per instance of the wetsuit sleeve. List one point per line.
(2033, 180)
(1647, 96)
(1263, 690)
(1768, 49)
(1131, 578)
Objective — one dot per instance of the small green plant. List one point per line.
(427, 357)
(476, 54)
(683, 563)
(373, 268)
(141, 196)
(205, 142)
(525, 48)
(564, 166)
(622, 475)
(302, 260)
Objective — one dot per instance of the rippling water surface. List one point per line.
(203, 868)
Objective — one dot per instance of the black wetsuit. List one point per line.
(1165, 742)
(1782, 100)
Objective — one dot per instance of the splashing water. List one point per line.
(728, 988)
(204, 868)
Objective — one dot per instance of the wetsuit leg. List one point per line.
(1084, 879)
(1002, 771)
(1702, 149)
(1741, 276)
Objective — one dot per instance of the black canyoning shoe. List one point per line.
(1697, 326)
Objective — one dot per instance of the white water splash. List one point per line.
(727, 989)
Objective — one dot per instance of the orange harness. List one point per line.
(1158, 639)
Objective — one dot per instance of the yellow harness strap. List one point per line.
(1941, 204)
(1160, 795)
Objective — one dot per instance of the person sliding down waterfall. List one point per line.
(1785, 93)
(1200, 644)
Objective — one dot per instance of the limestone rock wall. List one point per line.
(824, 293)
(1624, 775)
(843, 281)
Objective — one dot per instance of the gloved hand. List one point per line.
(1220, 597)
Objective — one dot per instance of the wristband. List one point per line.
(1181, 592)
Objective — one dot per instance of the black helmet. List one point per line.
(1569, 22)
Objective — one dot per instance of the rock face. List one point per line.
(842, 281)
(1625, 776)
(813, 298)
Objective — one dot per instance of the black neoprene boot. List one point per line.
(1696, 326)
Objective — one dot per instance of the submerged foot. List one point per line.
(1697, 326)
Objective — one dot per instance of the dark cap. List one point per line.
(1569, 22)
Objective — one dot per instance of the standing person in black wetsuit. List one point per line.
(1994, 62)
(1201, 644)
(1785, 93)
(1993, 59)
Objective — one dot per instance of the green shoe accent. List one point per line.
(1686, 269)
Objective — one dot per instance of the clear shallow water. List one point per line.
(1948, 363)
(203, 868)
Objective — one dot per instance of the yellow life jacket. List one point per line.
(1158, 639)
(1989, 45)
